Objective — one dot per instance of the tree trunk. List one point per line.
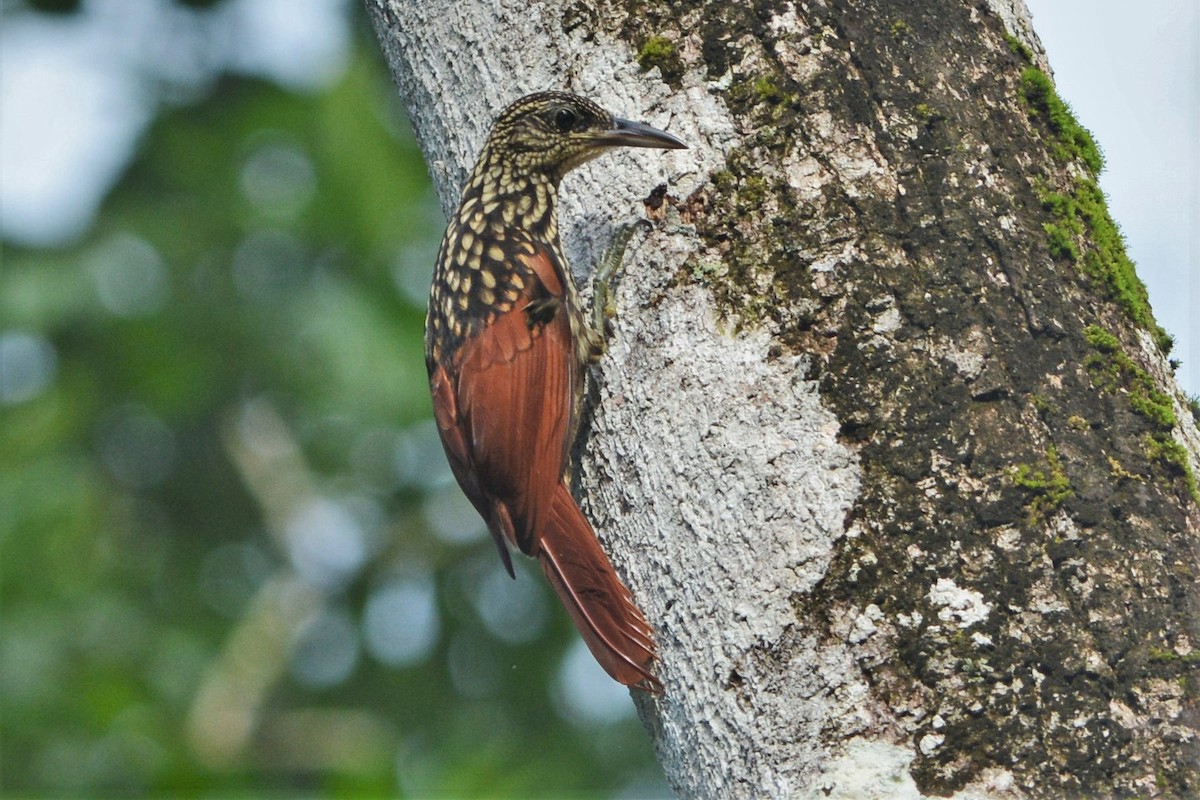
(885, 444)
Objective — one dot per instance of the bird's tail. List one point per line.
(599, 604)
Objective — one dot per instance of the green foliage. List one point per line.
(1049, 485)
(1083, 232)
(1161, 655)
(1102, 340)
(1117, 370)
(1061, 241)
(659, 51)
(1019, 48)
(768, 91)
(1174, 457)
(1114, 370)
(900, 29)
(1071, 140)
(926, 113)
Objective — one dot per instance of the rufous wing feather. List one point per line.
(458, 453)
(515, 389)
(601, 607)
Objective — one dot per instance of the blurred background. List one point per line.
(234, 561)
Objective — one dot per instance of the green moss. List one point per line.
(768, 91)
(1071, 140)
(1061, 242)
(1114, 370)
(766, 94)
(1019, 48)
(1050, 485)
(735, 280)
(900, 28)
(753, 192)
(1159, 655)
(1062, 207)
(926, 113)
(1078, 423)
(1155, 406)
(1083, 232)
(1118, 370)
(656, 49)
(659, 51)
(1109, 263)
(1174, 458)
(1102, 340)
(1043, 405)
(724, 180)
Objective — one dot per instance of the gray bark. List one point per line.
(899, 521)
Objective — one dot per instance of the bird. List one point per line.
(507, 344)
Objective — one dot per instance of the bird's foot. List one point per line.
(604, 303)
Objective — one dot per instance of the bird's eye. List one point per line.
(565, 119)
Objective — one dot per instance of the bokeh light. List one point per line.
(27, 366)
(400, 621)
(584, 693)
(129, 275)
(326, 650)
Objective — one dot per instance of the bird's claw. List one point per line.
(604, 301)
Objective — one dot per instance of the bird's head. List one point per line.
(554, 132)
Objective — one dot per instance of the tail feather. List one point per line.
(601, 607)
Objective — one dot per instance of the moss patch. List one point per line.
(766, 96)
(1102, 340)
(926, 113)
(1071, 140)
(1083, 232)
(1174, 458)
(750, 287)
(1113, 370)
(1019, 48)
(768, 91)
(1117, 370)
(1050, 485)
(659, 51)
(1162, 656)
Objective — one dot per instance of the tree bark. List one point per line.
(886, 444)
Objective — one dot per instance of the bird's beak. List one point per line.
(627, 133)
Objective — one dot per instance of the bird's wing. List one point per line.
(458, 453)
(515, 384)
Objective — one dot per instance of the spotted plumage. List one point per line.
(506, 341)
